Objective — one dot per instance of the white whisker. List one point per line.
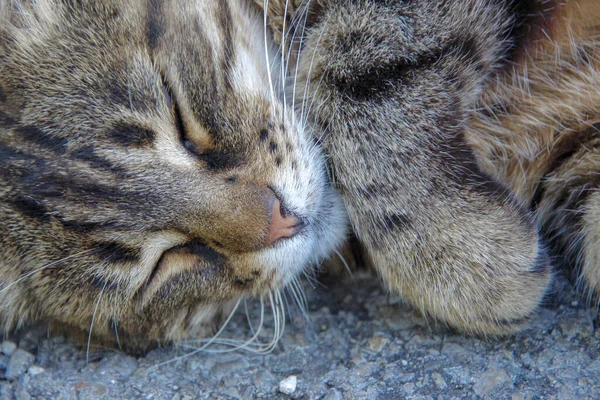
(116, 316)
(345, 263)
(208, 343)
(308, 75)
(52, 264)
(300, 45)
(87, 350)
(272, 90)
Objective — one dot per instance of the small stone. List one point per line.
(333, 394)
(6, 390)
(377, 343)
(81, 386)
(8, 347)
(439, 381)
(409, 388)
(265, 381)
(404, 363)
(232, 392)
(18, 363)
(491, 380)
(594, 368)
(225, 368)
(288, 385)
(118, 364)
(22, 394)
(517, 396)
(35, 370)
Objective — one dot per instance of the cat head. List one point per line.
(152, 173)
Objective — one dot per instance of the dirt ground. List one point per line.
(359, 343)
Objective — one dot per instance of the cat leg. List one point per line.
(390, 113)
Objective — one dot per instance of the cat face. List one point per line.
(151, 172)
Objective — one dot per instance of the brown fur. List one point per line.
(141, 152)
(443, 122)
(137, 174)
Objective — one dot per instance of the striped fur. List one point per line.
(463, 137)
(139, 144)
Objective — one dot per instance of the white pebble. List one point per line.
(288, 385)
(35, 370)
(8, 347)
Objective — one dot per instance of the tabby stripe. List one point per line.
(88, 154)
(32, 208)
(154, 23)
(113, 252)
(29, 207)
(397, 222)
(364, 84)
(6, 120)
(101, 283)
(218, 161)
(131, 135)
(207, 253)
(225, 20)
(32, 134)
(571, 144)
(84, 227)
(459, 164)
(562, 228)
(573, 196)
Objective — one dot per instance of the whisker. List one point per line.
(299, 297)
(282, 47)
(307, 84)
(300, 45)
(208, 343)
(116, 316)
(272, 90)
(87, 350)
(345, 263)
(312, 103)
(52, 264)
(312, 279)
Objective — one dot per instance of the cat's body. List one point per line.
(146, 147)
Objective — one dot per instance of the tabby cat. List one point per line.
(162, 160)
(151, 174)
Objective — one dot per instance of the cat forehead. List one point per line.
(211, 53)
(221, 41)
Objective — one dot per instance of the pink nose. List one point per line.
(283, 224)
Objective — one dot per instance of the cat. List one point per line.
(463, 138)
(162, 161)
(152, 175)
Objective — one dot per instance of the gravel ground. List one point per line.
(359, 343)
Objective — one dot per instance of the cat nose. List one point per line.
(283, 224)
